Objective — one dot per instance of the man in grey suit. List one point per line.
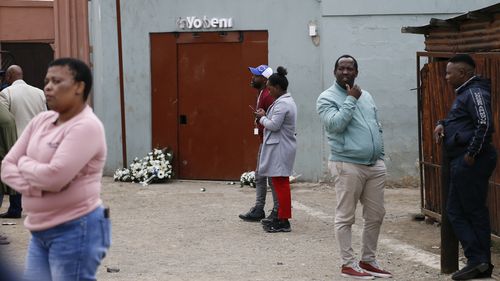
(24, 102)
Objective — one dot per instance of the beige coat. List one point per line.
(24, 102)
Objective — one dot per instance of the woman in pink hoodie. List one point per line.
(56, 165)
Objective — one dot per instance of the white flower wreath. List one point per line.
(152, 168)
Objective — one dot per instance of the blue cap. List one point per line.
(262, 70)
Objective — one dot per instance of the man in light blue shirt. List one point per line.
(356, 162)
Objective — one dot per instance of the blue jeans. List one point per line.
(71, 251)
(466, 204)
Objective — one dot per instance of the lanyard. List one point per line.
(258, 98)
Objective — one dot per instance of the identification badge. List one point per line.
(255, 131)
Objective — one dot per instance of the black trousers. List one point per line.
(466, 204)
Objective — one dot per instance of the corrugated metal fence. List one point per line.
(435, 99)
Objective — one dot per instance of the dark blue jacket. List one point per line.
(469, 124)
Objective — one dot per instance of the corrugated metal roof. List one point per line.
(475, 31)
(483, 14)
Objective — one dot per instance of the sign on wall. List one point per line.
(204, 23)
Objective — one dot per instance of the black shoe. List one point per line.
(487, 273)
(470, 271)
(253, 215)
(278, 226)
(273, 215)
(10, 216)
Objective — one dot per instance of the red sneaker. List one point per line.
(354, 271)
(374, 269)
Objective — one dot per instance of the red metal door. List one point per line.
(214, 123)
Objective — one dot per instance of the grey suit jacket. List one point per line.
(277, 153)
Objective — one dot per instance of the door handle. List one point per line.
(183, 119)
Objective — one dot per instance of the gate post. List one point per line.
(449, 242)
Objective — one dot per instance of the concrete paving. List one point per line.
(190, 230)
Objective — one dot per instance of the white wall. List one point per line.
(366, 29)
(106, 87)
(289, 45)
(371, 32)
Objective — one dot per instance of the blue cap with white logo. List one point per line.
(262, 70)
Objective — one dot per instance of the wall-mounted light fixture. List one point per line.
(313, 32)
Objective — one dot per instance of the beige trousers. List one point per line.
(353, 183)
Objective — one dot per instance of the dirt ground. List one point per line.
(177, 231)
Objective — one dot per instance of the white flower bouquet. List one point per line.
(248, 178)
(155, 167)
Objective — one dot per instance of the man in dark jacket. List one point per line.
(467, 133)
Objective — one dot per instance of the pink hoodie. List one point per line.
(57, 168)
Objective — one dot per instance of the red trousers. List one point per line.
(282, 189)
